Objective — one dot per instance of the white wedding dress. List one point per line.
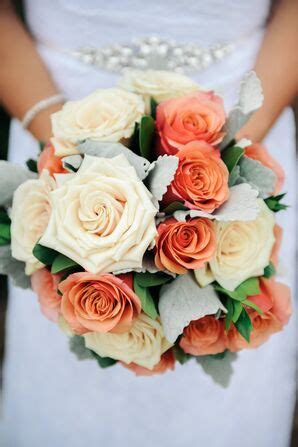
(53, 400)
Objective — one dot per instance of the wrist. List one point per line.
(41, 126)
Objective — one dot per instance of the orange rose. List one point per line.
(260, 153)
(184, 245)
(166, 362)
(275, 302)
(45, 285)
(48, 160)
(99, 303)
(201, 179)
(196, 117)
(204, 337)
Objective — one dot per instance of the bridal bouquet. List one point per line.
(147, 232)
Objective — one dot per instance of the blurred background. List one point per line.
(4, 138)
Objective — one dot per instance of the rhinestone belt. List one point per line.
(154, 53)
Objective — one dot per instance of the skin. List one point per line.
(24, 79)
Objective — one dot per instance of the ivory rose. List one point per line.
(99, 303)
(105, 115)
(143, 345)
(167, 361)
(157, 84)
(102, 217)
(63, 148)
(45, 285)
(48, 160)
(29, 218)
(201, 179)
(260, 153)
(196, 117)
(204, 336)
(274, 300)
(184, 245)
(243, 250)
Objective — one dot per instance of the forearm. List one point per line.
(24, 80)
(277, 67)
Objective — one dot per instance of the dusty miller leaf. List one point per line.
(258, 176)
(220, 369)
(242, 205)
(13, 268)
(111, 150)
(182, 301)
(161, 175)
(72, 162)
(11, 177)
(250, 99)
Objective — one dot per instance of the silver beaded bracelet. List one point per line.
(38, 107)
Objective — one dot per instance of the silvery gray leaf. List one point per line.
(77, 346)
(250, 99)
(11, 177)
(221, 370)
(251, 93)
(243, 205)
(110, 150)
(184, 300)
(234, 175)
(161, 175)
(72, 162)
(258, 176)
(13, 268)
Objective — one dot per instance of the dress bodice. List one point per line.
(76, 23)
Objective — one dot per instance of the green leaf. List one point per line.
(244, 325)
(146, 135)
(44, 254)
(153, 105)
(61, 263)
(248, 288)
(41, 145)
(253, 306)
(174, 206)
(274, 204)
(4, 218)
(269, 270)
(180, 355)
(32, 165)
(219, 356)
(151, 279)
(231, 156)
(146, 299)
(5, 232)
(237, 311)
(230, 308)
(104, 362)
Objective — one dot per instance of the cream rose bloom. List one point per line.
(102, 217)
(29, 218)
(105, 115)
(243, 250)
(63, 148)
(158, 84)
(143, 344)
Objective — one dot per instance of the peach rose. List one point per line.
(166, 362)
(45, 285)
(278, 232)
(204, 337)
(196, 117)
(201, 179)
(275, 302)
(48, 160)
(260, 153)
(99, 303)
(184, 245)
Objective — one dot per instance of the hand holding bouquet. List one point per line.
(148, 233)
